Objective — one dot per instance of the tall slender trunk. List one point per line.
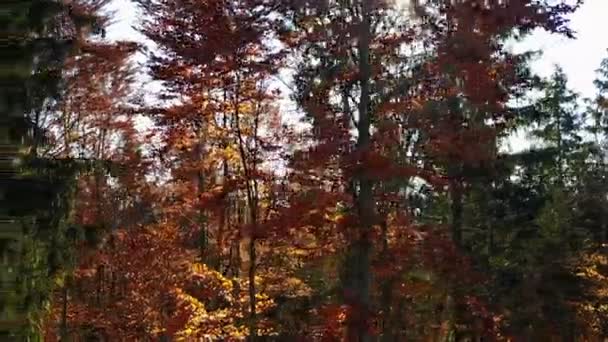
(219, 240)
(560, 153)
(491, 238)
(203, 242)
(456, 208)
(224, 218)
(237, 243)
(200, 179)
(249, 169)
(358, 265)
(450, 314)
(225, 211)
(98, 285)
(446, 328)
(252, 290)
(386, 292)
(63, 329)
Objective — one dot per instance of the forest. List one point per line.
(306, 170)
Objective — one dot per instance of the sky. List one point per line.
(578, 57)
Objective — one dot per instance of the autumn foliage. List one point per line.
(226, 221)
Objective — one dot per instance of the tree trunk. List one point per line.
(249, 170)
(446, 328)
(386, 292)
(252, 290)
(203, 225)
(358, 265)
(64, 313)
(456, 208)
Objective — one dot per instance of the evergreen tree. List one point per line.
(34, 194)
(535, 215)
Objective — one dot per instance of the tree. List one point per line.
(558, 123)
(42, 35)
(529, 221)
(219, 134)
(352, 78)
(154, 282)
(390, 210)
